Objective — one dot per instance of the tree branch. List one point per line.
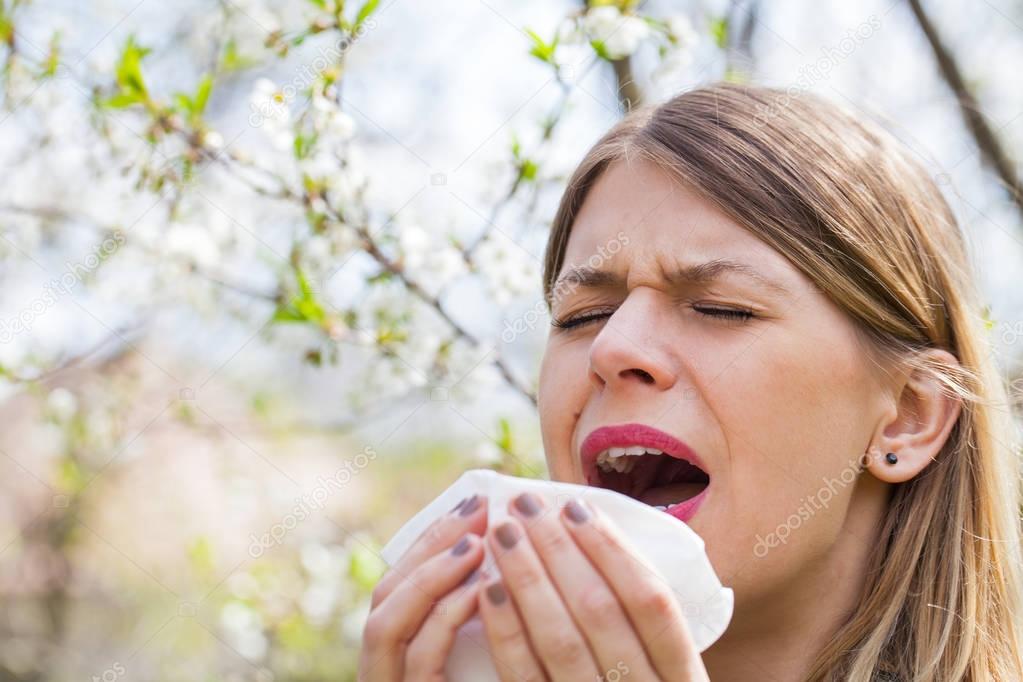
(992, 151)
(739, 54)
(415, 288)
(629, 94)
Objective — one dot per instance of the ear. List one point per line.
(917, 426)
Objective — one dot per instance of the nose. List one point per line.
(631, 350)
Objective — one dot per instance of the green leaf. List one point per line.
(719, 31)
(193, 107)
(296, 634)
(232, 60)
(529, 169)
(202, 95)
(303, 144)
(303, 307)
(365, 568)
(598, 47)
(733, 75)
(541, 49)
(129, 68)
(504, 437)
(184, 102)
(989, 322)
(52, 60)
(287, 314)
(322, 4)
(200, 556)
(365, 11)
(122, 101)
(6, 26)
(70, 476)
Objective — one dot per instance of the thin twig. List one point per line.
(992, 150)
(373, 249)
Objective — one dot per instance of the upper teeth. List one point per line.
(615, 459)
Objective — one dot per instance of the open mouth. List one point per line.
(648, 465)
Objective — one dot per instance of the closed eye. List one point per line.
(580, 320)
(731, 314)
(725, 313)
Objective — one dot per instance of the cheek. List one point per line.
(792, 410)
(561, 396)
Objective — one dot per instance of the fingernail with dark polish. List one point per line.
(496, 594)
(507, 535)
(470, 505)
(461, 547)
(459, 505)
(527, 504)
(576, 512)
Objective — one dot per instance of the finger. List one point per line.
(428, 651)
(650, 604)
(590, 600)
(468, 516)
(393, 623)
(562, 649)
(510, 650)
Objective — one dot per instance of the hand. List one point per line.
(575, 602)
(419, 604)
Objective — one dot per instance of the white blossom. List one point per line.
(672, 64)
(250, 22)
(251, 644)
(271, 112)
(330, 121)
(680, 27)
(61, 404)
(570, 33)
(243, 585)
(345, 183)
(237, 617)
(508, 269)
(213, 140)
(414, 243)
(192, 244)
(318, 601)
(620, 34)
(353, 622)
(321, 165)
(487, 453)
(432, 261)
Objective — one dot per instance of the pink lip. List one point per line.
(683, 511)
(640, 434)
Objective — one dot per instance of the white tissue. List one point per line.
(669, 547)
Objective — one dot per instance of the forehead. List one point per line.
(638, 217)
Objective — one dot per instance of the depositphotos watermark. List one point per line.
(274, 105)
(528, 320)
(809, 506)
(615, 674)
(820, 70)
(1011, 333)
(310, 502)
(75, 272)
(112, 673)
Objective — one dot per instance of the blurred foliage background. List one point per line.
(271, 278)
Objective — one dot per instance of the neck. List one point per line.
(778, 635)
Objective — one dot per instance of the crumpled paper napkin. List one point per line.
(669, 546)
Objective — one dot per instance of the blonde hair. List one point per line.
(842, 200)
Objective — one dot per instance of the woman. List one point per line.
(775, 291)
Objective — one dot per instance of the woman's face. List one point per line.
(778, 408)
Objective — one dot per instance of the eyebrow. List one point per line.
(696, 273)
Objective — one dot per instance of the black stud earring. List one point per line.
(891, 458)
